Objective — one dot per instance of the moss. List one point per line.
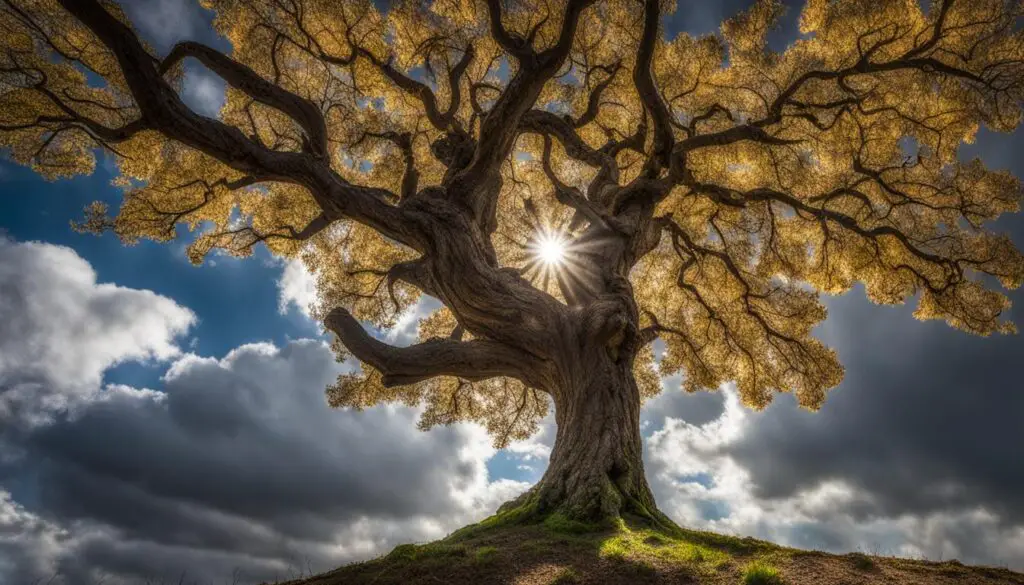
(403, 552)
(647, 544)
(560, 523)
(511, 517)
(761, 573)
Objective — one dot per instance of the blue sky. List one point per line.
(917, 453)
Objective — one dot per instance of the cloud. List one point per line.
(203, 91)
(29, 545)
(238, 462)
(297, 291)
(61, 329)
(910, 456)
(231, 463)
(296, 288)
(166, 22)
(407, 328)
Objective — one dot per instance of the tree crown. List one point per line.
(718, 186)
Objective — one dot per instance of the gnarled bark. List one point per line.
(596, 467)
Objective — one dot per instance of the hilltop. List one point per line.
(503, 550)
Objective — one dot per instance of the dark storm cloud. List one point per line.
(928, 418)
(255, 438)
(241, 461)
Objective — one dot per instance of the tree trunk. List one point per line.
(596, 472)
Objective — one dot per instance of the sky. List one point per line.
(160, 420)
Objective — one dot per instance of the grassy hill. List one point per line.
(558, 552)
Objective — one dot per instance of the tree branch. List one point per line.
(241, 77)
(594, 100)
(477, 185)
(643, 78)
(163, 110)
(403, 141)
(474, 360)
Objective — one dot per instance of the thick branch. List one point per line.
(643, 78)
(568, 195)
(594, 100)
(441, 120)
(477, 185)
(511, 44)
(241, 77)
(471, 360)
(163, 111)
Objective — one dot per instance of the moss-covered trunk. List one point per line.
(596, 472)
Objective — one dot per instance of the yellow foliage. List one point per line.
(857, 176)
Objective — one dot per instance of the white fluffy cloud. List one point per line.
(61, 329)
(296, 288)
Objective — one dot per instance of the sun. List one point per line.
(550, 249)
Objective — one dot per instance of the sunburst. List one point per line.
(550, 248)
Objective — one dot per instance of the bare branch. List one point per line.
(473, 360)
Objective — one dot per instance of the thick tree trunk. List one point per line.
(596, 472)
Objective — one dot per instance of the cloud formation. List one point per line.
(232, 464)
(909, 456)
(61, 329)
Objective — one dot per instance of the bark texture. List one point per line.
(596, 467)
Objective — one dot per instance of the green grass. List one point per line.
(560, 524)
(485, 554)
(418, 552)
(761, 573)
(648, 543)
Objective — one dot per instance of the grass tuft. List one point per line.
(485, 554)
(761, 573)
(434, 550)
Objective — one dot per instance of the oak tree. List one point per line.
(568, 182)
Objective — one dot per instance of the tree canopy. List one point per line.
(707, 190)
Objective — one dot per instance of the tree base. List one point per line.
(607, 511)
